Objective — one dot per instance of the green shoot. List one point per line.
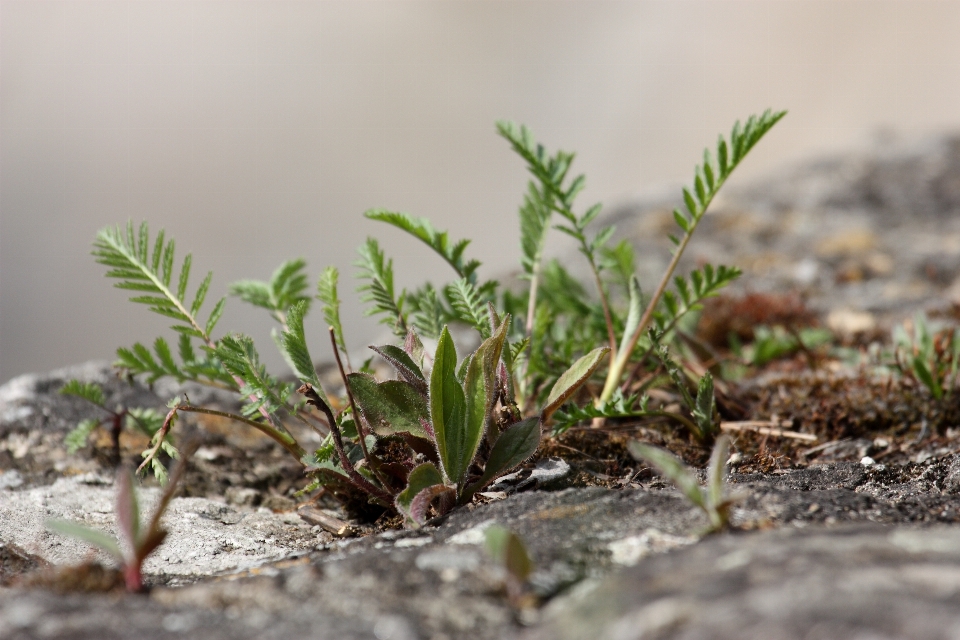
(708, 179)
(709, 499)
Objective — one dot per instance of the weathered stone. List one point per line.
(859, 582)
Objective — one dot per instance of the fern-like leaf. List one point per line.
(617, 406)
(534, 223)
(130, 260)
(469, 305)
(377, 271)
(689, 294)
(294, 344)
(77, 438)
(239, 356)
(285, 289)
(428, 313)
(439, 241)
(327, 294)
(89, 391)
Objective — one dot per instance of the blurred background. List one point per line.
(254, 132)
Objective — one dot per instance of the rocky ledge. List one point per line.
(850, 548)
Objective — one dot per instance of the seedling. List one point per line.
(138, 542)
(507, 550)
(928, 356)
(710, 498)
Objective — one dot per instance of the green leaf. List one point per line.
(437, 240)
(214, 317)
(534, 223)
(377, 271)
(515, 444)
(428, 313)
(90, 536)
(128, 255)
(294, 344)
(716, 471)
(288, 285)
(239, 356)
(89, 391)
(254, 292)
(675, 372)
(671, 468)
(77, 438)
(635, 310)
(923, 374)
(705, 408)
(571, 380)
(508, 549)
(389, 407)
(404, 364)
(327, 294)
(285, 289)
(128, 508)
(469, 305)
(448, 408)
(423, 476)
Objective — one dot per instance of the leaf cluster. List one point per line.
(461, 421)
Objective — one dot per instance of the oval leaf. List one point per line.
(423, 500)
(389, 407)
(508, 549)
(517, 443)
(571, 380)
(90, 536)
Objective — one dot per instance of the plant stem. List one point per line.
(374, 467)
(282, 438)
(618, 365)
(358, 480)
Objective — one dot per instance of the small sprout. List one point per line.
(709, 498)
(930, 357)
(139, 541)
(508, 550)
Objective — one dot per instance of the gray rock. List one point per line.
(861, 582)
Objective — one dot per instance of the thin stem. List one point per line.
(616, 369)
(161, 434)
(532, 298)
(374, 467)
(607, 317)
(358, 480)
(282, 438)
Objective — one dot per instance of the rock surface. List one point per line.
(838, 550)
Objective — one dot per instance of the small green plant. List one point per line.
(928, 356)
(710, 498)
(146, 421)
(138, 542)
(508, 550)
(450, 423)
(773, 343)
